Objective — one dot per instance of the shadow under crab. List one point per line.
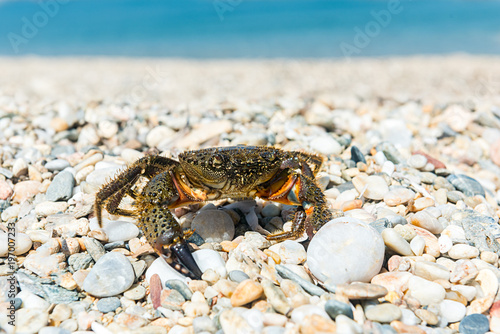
(238, 172)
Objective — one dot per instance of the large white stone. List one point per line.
(346, 250)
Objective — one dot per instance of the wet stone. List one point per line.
(474, 324)
(334, 308)
(466, 184)
(109, 304)
(181, 287)
(61, 188)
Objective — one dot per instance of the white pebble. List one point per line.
(462, 251)
(290, 252)
(210, 259)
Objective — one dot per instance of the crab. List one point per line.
(238, 172)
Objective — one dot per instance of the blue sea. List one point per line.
(249, 28)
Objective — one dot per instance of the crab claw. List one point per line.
(178, 256)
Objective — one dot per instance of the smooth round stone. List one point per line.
(427, 316)
(164, 271)
(451, 310)
(388, 167)
(136, 293)
(109, 304)
(25, 189)
(425, 220)
(398, 195)
(22, 244)
(358, 290)
(426, 292)
(409, 318)
(57, 164)
(30, 300)
(417, 161)
(345, 250)
(372, 187)
(204, 324)
(213, 225)
(326, 145)
(210, 259)
(463, 251)
(474, 324)
(158, 134)
(290, 252)
(445, 243)
(111, 275)
(357, 155)
(396, 242)
(454, 196)
(271, 210)
(383, 313)
(275, 297)
(334, 308)
(5, 190)
(48, 208)
(181, 286)
(237, 276)
(102, 175)
(61, 187)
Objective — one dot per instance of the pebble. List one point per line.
(171, 299)
(80, 261)
(345, 250)
(357, 155)
(271, 210)
(425, 291)
(462, 251)
(383, 313)
(30, 320)
(109, 304)
(210, 259)
(117, 230)
(431, 271)
(53, 330)
(246, 292)
(372, 187)
(213, 225)
(426, 221)
(314, 323)
(276, 297)
(417, 161)
(347, 325)
(57, 165)
(48, 208)
(6, 190)
(474, 324)
(396, 242)
(22, 244)
(61, 188)
(158, 134)
(326, 145)
(290, 252)
(204, 324)
(111, 275)
(232, 322)
(25, 189)
(237, 276)
(299, 313)
(466, 184)
(452, 311)
(417, 245)
(398, 195)
(334, 308)
(136, 293)
(180, 286)
(94, 248)
(60, 313)
(427, 316)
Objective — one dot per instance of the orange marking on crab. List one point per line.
(186, 195)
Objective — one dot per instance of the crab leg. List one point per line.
(302, 190)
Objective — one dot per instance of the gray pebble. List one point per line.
(109, 304)
(80, 261)
(94, 248)
(173, 300)
(381, 224)
(203, 324)
(397, 220)
(307, 286)
(112, 245)
(357, 155)
(180, 286)
(427, 178)
(467, 185)
(111, 275)
(237, 276)
(62, 150)
(139, 268)
(56, 165)
(196, 239)
(61, 187)
(271, 210)
(7, 173)
(474, 324)
(334, 308)
(417, 161)
(441, 182)
(17, 303)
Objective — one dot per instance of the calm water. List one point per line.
(249, 28)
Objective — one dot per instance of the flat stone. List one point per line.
(180, 286)
(111, 275)
(57, 165)
(306, 285)
(398, 195)
(431, 271)
(359, 290)
(94, 248)
(466, 184)
(80, 261)
(136, 293)
(61, 187)
(237, 276)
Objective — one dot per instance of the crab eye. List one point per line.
(216, 160)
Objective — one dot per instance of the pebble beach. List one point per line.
(411, 175)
